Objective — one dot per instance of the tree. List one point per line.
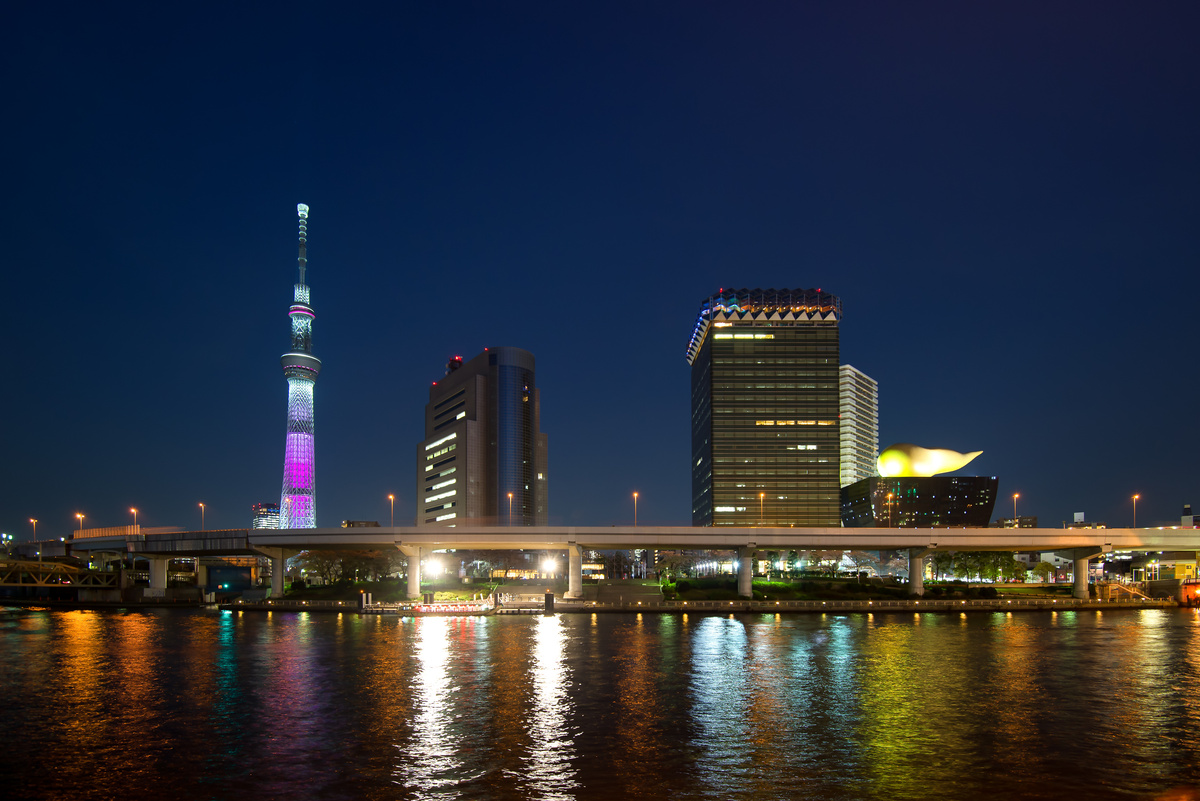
(826, 561)
(326, 564)
(942, 562)
(861, 559)
(1013, 568)
(1043, 570)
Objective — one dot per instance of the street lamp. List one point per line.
(392, 501)
(80, 516)
(134, 519)
(202, 517)
(510, 508)
(1135, 499)
(635, 496)
(1015, 496)
(761, 497)
(34, 521)
(891, 510)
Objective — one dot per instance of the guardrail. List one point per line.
(291, 605)
(941, 605)
(868, 606)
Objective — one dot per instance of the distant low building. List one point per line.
(1024, 521)
(919, 502)
(1080, 521)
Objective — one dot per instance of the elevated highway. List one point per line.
(1076, 544)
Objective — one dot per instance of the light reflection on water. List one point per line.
(883, 706)
(551, 751)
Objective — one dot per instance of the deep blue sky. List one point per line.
(1003, 194)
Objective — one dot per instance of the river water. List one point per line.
(223, 705)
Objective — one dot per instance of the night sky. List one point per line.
(1004, 195)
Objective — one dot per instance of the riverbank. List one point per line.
(732, 607)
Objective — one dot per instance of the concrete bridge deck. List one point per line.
(1076, 544)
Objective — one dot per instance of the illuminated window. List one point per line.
(444, 439)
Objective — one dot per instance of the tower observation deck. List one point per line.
(298, 503)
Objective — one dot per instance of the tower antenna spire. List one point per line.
(302, 211)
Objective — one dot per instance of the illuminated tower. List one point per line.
(298, 503)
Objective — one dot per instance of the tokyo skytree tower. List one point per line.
(298, 504)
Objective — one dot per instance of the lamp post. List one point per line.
(134, 519)
(202, 517)
(510, 508)
(761, 497)
(1015, 496)
(891, 510)
(80, 516)
(1135, 499)
(635, 496)
(392, 501)
(34, 521)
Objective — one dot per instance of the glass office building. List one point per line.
(765, 405)
(920, 502)
(483, 459)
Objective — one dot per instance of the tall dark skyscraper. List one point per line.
(298, 501)
(483, 459)
(765, 444)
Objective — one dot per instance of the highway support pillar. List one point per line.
(1079, 560)
(916, 570)
(746, 571)
(278, 557)
(574, 572)
(158, 572)
(413, 552)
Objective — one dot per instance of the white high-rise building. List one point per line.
(858, 401)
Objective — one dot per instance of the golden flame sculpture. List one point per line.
(906, 459)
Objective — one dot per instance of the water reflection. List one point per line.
(432, 764)
(174, 704)
(720, 689)
(551, 747)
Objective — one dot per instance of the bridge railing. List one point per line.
(998, 604)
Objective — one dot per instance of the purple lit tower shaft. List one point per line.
(298, 503)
